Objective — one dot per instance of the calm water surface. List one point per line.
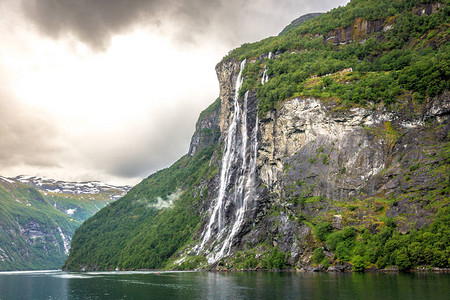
(206, 285)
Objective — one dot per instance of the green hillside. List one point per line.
(145, 228)
(36, 226)
(29, 235)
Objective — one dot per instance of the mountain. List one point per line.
(300, 20)
(38, 217)
(328, 149)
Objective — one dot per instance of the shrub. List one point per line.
(318, 255)
(322, 230)
(358, 264)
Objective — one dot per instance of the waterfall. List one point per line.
(237, 177)
(265, 77)
(66, 242)
(226, 163)
(246, 186)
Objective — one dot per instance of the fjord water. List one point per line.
(208, 285)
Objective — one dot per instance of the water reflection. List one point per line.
(236, 285)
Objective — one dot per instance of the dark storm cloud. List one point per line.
(26, 137)
(231, 21)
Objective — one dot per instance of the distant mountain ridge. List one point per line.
(75, 188)
(38, 217)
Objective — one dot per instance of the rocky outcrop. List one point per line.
(227, 73)
(355, 32)
(337, 154)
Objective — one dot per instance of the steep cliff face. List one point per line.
(237, 185)
(340, 154)
(314, 159)
(317, 162)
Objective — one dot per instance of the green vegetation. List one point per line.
(245, 260)
(85, 205)
(274, 260)
(322, 230)
(412, 57)
(429, 246)
(297, 22)
(213, 108)
(134, 233)
(263, 256)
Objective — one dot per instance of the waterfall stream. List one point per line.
(237, 178)
(66, 241)
(265, 77)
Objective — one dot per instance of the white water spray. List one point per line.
(238, 163)
(226, 163)
(265, 77)
(66, 242)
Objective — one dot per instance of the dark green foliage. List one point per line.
(322, 230)
(213, 108)
(297, 22)
(245, 260)
(318, 255)
(275, 260)
(411, 57)
(429, 246)
(251, 73)
(358, 264)
(191, 263)
(369, 9)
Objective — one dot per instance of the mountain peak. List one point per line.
(297, 22)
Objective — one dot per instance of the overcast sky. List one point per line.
(110, 89)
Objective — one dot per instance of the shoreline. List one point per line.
(293, 270)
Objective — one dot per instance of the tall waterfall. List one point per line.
(237, 177)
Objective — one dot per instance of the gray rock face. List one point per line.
(303, 141)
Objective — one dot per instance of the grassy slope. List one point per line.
(85, 205)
